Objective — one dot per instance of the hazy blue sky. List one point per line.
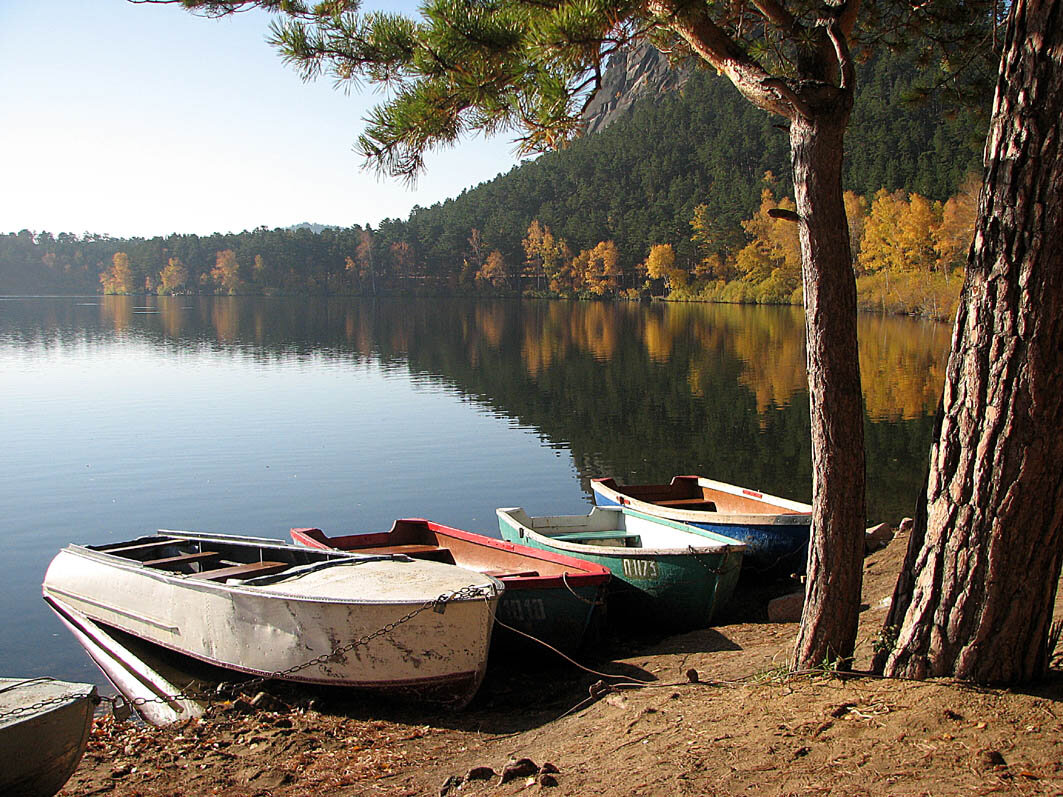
(144, 120)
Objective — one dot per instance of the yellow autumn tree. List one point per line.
(953, 236)
(660, 265)
(856, 214)
(546, 257)
(915, 235)
(494, 272)
(771, 261)
(226, 271)
(601, 269)
(173, 277)
(877, 244)
(119, 277)
(899, 234)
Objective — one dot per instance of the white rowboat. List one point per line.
(271, 609)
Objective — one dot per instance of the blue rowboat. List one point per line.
(664, 573)
(775, 530)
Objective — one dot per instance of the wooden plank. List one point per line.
(408, 550)
(596, 535)
(169, 562)
(511, 573)
(143, 546)
(700, 503)
(251, 569)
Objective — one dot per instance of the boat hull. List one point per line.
(775, 535)
(274, 630)
(555, 599)
(40, 749)
(678, 588)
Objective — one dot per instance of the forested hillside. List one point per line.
(685, 170)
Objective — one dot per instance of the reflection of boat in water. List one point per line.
(284, 611)
(665, 574)
(551, 597)
(44, 727)
(774, 530)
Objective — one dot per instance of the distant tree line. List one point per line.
(670, 201)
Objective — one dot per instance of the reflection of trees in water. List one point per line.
(902, 366)
(641, 392)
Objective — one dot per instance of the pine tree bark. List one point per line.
(984, 578)
(835, 556)
(817, 105)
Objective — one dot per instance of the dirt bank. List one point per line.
(743, 727)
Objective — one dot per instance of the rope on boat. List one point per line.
(564, 580)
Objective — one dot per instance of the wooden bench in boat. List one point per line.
(434, 552)
(689, 503)
(125, 550)
(596, 536)
(242, 571)
(511, 573)
(174, 562)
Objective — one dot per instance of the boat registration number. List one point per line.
(522, 609)
(641, 569)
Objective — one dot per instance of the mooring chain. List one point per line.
(52, 701)
(118, 702)
(698, 557)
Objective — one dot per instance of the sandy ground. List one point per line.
(744, 727)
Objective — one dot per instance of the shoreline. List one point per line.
(720, 717)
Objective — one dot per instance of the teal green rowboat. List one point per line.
(665, 573)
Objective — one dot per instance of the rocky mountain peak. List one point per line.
(635, 73)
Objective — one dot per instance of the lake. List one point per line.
(122, 415)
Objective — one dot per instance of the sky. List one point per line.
(140, 120)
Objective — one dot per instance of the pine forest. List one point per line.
(674, 200)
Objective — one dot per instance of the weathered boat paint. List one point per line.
(664, 573)
(554, 598)
(41, 745)
(775, 530)
(307, 608)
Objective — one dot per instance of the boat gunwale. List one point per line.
(801, 514)
(271, 591)
(718, 549)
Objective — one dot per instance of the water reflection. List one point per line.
(636, 391)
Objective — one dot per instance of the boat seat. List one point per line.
(242, 571)
(125, 550)
(174, 562)
(593, 536)
(433, 552)
(689, 503)
(511, 573)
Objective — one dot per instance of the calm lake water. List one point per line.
(245, 415)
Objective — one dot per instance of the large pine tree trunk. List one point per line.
(835, 557)
(984, 578)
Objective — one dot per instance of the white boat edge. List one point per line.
(134, 679)
(694, 516)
